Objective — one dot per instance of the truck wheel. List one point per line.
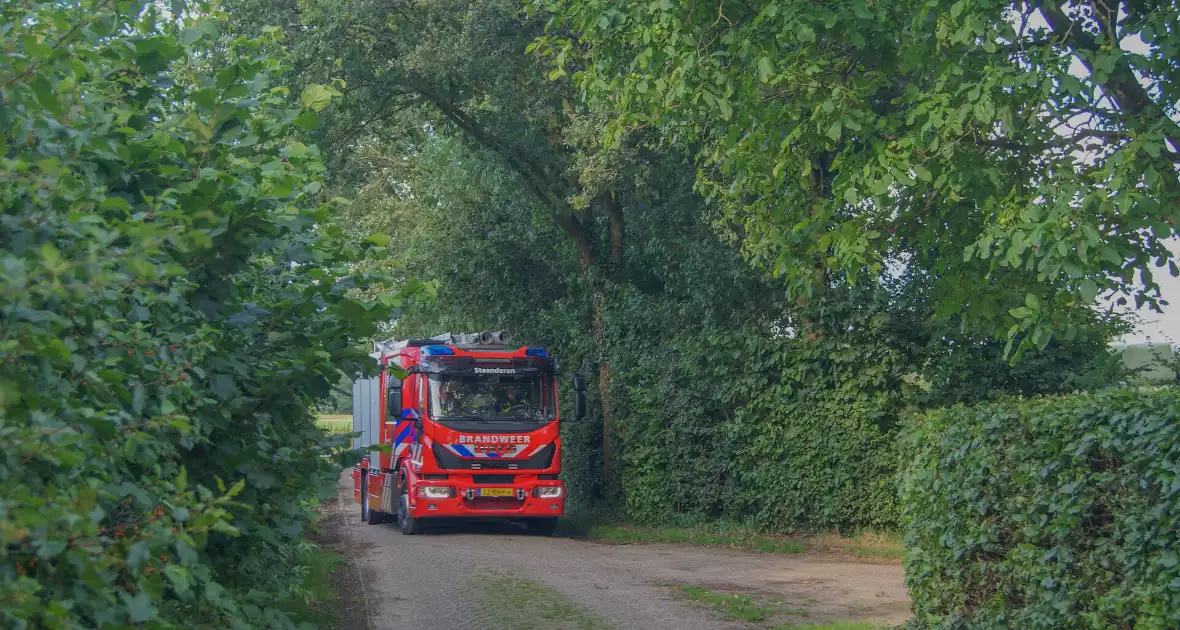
(364, 497)
(542, 526)
(408, 525)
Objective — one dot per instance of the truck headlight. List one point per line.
(547, 492)
(435, 492)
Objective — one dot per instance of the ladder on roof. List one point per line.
(382, 349)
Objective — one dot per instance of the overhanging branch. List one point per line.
(1121, 85)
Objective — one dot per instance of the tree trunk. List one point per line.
(586, 261)
(608, 450)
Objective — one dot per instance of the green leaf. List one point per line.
(226, 76)
(378, 239)
(765, 69)
(189, 36)
(1089, 290)
(139, 606)
(51, 258)
(178, 576)
(307, 120)
(295, 149)
(317, 97)
(206, 98)
(1042, 338)
(725, 107)
(1032, 301)
(46, 95)
(834, 131)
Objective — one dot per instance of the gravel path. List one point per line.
(441, 579)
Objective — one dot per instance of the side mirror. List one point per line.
(393, 401)
(579, 397)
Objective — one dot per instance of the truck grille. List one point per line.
(448, 460)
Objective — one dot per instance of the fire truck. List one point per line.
(470, 431)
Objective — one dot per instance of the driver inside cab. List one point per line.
(509, 399)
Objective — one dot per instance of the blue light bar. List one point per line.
(434, 351)
(536, 352)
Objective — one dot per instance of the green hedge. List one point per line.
(159, 347)
(778, 433)
(1049, 513)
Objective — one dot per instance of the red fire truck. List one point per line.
(472, 432)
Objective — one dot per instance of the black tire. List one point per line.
(364, 496)
(542, 526)
(408, 525)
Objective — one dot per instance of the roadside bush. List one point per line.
(168, 313)
(1048, 513)
(783, 432)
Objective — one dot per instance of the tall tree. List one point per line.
(1025, 154)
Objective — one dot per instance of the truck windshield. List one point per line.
(492, 397)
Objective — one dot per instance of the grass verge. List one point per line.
(336, 424)
(750, 608)
(866, 545)
(701, 536)
(766, 612)
(328, 594)
(515, 603)
(321, 604)
(839, 625)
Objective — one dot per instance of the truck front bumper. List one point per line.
(465, 502)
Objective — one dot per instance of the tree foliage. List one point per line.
(717, 406)
(172, 299)
(1024, 154)
(493, 179)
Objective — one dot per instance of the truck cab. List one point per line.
(471, 425)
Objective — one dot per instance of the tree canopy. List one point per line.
(1024, 154)
(491, 176)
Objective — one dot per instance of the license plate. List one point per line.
(497, 492)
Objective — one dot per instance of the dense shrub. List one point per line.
(1049, 513)
(786, 433)
(167, 315)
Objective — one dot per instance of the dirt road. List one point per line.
(499, 577)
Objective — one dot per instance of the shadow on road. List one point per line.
(453, 527)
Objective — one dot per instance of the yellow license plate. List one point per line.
(497, 492)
